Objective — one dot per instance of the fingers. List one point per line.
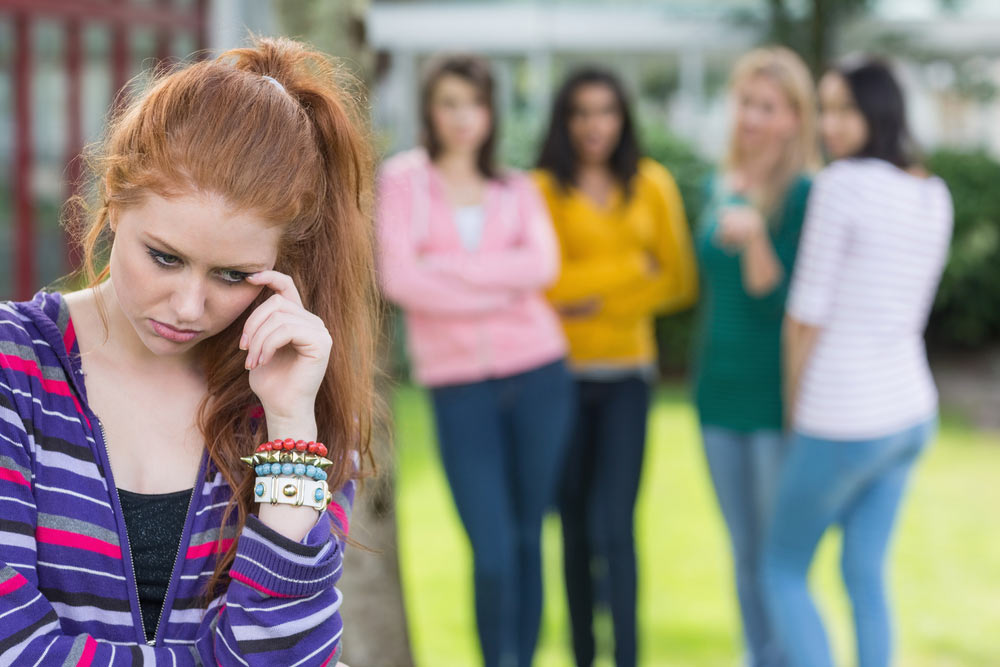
(268, 341)
(281, 283)
(282, 328)
(274, 304)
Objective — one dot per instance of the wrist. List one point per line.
(296, 427)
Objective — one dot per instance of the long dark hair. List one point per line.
(475, 71)
(558, 155)
(880, 101)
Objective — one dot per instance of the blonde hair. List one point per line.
(786, 69)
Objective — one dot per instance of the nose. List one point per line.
(188, 300)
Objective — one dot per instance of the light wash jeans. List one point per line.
(745, 468)
(859, 485)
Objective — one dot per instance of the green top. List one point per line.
(738, 348)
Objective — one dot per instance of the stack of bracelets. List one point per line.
(291, 472)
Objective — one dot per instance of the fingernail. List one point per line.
(243, 342)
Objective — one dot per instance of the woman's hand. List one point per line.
(288, 349)
(580, 309)
(739, 226)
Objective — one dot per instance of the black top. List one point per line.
(155, 522)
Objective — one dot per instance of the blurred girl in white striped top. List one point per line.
(860, 394)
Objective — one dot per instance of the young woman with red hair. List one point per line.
(220, 358)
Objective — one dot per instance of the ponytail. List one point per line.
(275, 129)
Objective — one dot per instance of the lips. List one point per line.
(173, 334)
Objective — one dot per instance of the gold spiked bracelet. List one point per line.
(292, 490)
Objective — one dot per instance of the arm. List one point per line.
(282, 607)
(532, 264)
(410, 280)
(270, 573)
(581, 279)
(772, 276)
(674, 286)
(826, 234)
(798, 339)
(759, 264)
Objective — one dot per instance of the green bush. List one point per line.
(967, 309)
(674, 333)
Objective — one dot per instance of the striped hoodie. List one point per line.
(67, 588)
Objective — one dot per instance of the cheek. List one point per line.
(443, 120)
(857, 133)
(134, 277)
(612, 127)
(482, 122)
(228, 303)
(786, 125)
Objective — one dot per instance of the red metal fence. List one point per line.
(166, 17)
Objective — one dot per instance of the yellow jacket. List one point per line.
(606, 258)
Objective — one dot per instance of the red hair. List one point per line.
(297, 157)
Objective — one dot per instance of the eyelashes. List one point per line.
(162, 258)
(232, 277)
(167, 261)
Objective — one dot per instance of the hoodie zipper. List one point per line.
(128, 547)
(177, 554)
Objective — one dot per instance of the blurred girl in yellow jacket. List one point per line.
(626, 257)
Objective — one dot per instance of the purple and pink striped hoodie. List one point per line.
(67, 587)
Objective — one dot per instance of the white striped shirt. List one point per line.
(873, 248)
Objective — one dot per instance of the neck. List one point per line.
(592, 170)
(460, 164)
(757, 168)
(124, 345)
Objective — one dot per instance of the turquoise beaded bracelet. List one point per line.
(290, 457)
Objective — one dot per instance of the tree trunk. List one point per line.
(375, 628)
(819, 49)
(780, 27)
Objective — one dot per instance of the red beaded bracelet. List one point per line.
(288, 444)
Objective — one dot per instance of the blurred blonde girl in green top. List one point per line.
(746, 241)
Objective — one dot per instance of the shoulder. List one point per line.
(28, 333)
(21, 321)
(404, 164)
(652, 172)
(545, 181)
(847, 176)
(799, 189)
(653, 180)
(518, 182)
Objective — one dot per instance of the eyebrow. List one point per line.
(242, 268)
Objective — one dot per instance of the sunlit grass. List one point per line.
(946, 573)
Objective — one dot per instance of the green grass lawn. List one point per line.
(945, 574)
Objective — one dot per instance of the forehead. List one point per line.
(832, 87)
(590, 95)
(204, 228)
(453, 85)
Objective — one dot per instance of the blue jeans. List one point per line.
(745, 469)
(597, 504)
(859, 485)
(503, 444)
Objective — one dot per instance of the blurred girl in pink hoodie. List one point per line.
(466, 250)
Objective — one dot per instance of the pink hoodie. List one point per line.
(469, 315)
